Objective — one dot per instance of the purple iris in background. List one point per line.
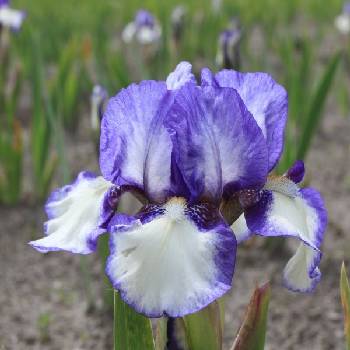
(187, 152)
(10, 18)
(99, 97)
(228, 55)
(144, 29)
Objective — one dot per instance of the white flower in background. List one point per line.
(10, 18)
(177, 22)
(342, 22)
(145, 29)
(216, 5)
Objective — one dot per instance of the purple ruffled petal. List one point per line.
(266, 100)
(135, 148)
(218, 146)
(154, 266)
(75, 214)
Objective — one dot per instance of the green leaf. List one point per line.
(251, 334)
(132, 331)
(316, 107)
(345, 300)
(203, 329)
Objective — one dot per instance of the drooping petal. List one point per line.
(217, 144)
(302, 272)
(180, 76)
(74, 214)
(135, 148)
(302, 216)
(266, 100)
(173, 260)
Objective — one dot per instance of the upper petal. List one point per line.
(135, 148)
(173, 260)
(180, 76)
(217, 144)
(266, 100)
(74, 214)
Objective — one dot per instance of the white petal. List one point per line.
(11, 18)
(342, 23)
(303, 217)
(168, 266)
(240, 229)
(302, 273)
(129, 32)
(74, 213)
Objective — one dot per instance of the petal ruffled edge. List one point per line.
(74, 212)
(172, 282)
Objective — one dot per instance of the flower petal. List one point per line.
(296, 172)
(304, 217)
(74, 216)
(217, 144)
(266, 100)
(240, 229)
(302, 273)
(11, 18)
(155, 267)
(135, 148)
(180, 76)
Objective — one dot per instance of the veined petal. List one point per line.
(180, 76)
(302, 216)
(155, 267)
(74, 213)
(266, 100)
(135, 148)
(217, 144)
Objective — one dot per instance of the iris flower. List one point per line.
(228, 55)
(342, 22)
(197, 156)
(144, 29)
(10, 18)
(98, 99)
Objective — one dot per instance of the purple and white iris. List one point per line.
(144, 29)
(228, 55)
(10, 18)
(198, 157)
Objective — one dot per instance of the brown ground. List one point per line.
(44, 302)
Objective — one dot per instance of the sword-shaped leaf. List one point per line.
(345, 300)
(251, 334)
(132, 331)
